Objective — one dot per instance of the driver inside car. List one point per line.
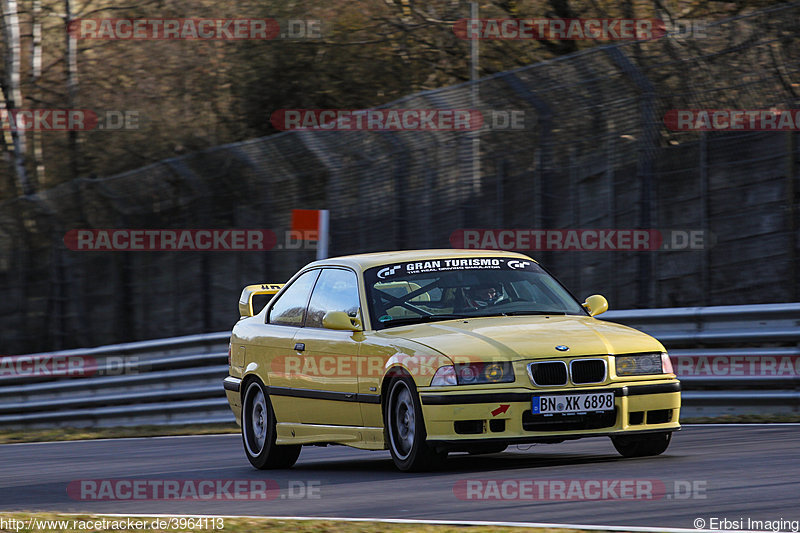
(482, 296)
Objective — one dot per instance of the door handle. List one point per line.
(300, 346)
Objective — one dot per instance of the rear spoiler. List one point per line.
(246, 300)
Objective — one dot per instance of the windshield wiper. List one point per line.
(423, 318)
(522, 313)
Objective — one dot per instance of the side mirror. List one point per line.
(341, 321)
(596, 304)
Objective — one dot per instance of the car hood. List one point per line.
(526, 337)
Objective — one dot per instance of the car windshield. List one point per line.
(442, 289)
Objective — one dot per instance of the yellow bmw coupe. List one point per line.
(435, 351)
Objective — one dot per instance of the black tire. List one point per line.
(259, 433)
(642, 445)
(406, 429)
(487, 448)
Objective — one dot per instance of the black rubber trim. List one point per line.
(369, 398)
(658, 388)
(232, 384)
(324, 395)
(495, 397)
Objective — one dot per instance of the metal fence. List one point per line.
(730, 359)
(594, 153)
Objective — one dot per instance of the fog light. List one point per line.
(494, 372)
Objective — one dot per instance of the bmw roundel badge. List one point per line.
(562, 348)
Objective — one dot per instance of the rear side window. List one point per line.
(336, 290)
(290, 308)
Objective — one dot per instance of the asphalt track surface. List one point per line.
(739, 473)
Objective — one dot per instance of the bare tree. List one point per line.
(12, 92)
(36, 74)
(71, 63)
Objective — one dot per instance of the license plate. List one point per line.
(573, 403)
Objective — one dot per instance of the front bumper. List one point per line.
(459, 418)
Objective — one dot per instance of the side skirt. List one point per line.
(365, 438)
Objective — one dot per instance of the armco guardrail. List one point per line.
(731, 359)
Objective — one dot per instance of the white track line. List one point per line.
(737, 425)
(586, 527)
(741, 425)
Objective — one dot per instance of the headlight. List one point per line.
(473, 374)
(639, 365)
(478, 373)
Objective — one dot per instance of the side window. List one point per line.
(290, 308)
(336, 290)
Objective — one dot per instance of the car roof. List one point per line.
(366, 261)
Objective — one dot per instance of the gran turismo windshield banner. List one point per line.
(401, 270)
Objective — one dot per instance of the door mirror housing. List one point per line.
(340, 320)
(596, 304)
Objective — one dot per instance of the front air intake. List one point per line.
(548, 373)
(588, 371)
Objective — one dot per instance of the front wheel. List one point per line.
(642, 445)
(259, 433)
(406, 429)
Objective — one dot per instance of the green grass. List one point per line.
(256, 525)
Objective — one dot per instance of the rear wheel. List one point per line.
(259, 433)
(642, 445)
(406, 429)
